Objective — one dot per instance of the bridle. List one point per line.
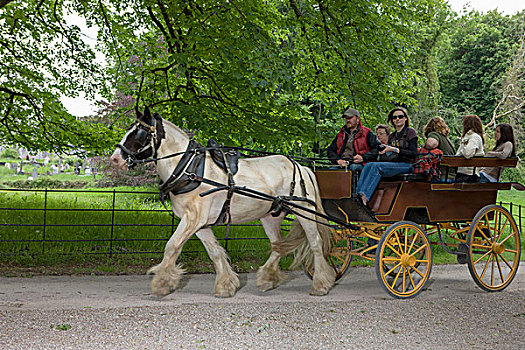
(147, 138)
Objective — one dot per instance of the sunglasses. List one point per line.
(394, 117)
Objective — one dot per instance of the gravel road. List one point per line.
(118, 312)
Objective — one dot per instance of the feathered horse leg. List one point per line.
(226, 281)
(269, 276)
(167, 273)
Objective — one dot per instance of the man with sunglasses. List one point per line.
(354, 145)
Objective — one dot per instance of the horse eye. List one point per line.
(141, 136)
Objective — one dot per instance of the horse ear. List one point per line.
(146, 118)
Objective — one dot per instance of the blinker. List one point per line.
(141, 136)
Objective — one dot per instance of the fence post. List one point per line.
(112, 226)
(519, 218)
(45, 222)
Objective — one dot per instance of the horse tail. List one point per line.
(296, 240)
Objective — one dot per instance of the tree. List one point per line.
(243, 72)
(474, 62)
(41, 59)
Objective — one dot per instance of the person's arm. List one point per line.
(431, 143)
(472, 145)
(505, 153)
(373, 144)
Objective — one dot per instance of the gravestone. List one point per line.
(35, 173)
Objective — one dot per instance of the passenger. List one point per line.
(354, 145)
(403, 143)
(471, 145)
(436, 131)
(382, 132)
(505, 147)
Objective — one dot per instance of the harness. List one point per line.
(189, 171)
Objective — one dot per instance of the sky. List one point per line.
(81, 107)
(508, 7)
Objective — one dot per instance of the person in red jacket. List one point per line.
(354, 145)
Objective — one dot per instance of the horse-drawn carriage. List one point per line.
(211, 185)
(408, 210)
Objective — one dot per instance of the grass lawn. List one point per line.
(87, 236)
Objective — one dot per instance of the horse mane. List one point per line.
(176, 129)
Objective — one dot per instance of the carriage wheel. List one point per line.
(403, 260)
(494, 248)
(340, 257)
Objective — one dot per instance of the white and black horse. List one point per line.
(275, 176)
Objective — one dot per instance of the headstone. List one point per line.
(88, 171)
(54, 169)
(35, 173)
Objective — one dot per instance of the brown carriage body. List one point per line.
(408, 198)
(407, 209)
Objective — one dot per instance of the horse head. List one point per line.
(140, 142)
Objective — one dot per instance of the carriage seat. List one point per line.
(407, 177)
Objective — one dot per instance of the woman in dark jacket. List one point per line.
(402, 147)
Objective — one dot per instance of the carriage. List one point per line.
(211, 185)
(409, 214)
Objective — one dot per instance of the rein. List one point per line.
(265, 153)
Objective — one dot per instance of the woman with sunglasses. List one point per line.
(402, 144)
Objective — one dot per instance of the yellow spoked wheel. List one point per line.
(403, 260)
(494, 248)
(340, 257)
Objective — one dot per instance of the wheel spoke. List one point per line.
(492, 272)
(484, 255)
(481, 246)
(399, 243)
(404, 279)
(393, 249)
(395, 279)
(391, 260)
(496, 217)
(485, 268)
(411, 280)
(509, 236)
(393, 269)
(505, 261)
(501, 231)
(406, 240)
(499, 268)
(483, 234)
(419, 273)
(417, 250)
(413, 242)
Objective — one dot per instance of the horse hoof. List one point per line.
(224, 294)
(319, 292)
(264, 287)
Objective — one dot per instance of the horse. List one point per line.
(152, 137)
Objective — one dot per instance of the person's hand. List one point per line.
(358, 158)
(389, 148)
(342, 162)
